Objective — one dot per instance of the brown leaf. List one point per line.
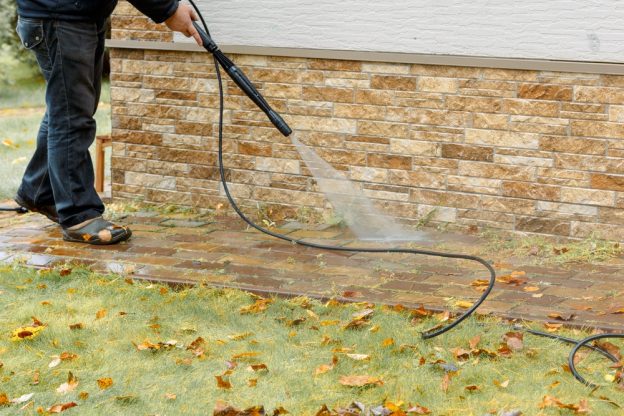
(461, 354)
(4, 400)
(280, 411)
(551, 401)
(446, 381)
(68, 356)
(83, 395)
(418, 410)
(58, 408)
(514, 340)
(610, 348)
(223, 384)
(65, 271)
(259, 306)
(100, 314)
(258, 367)
(464, 304)
(104, 383)
(35, 380)
(474, 342)
(324, 368)
(560, 317)
(552, 327)
(324, 411)
(472, 387)
(244, 355)
(79, 325)
(360, 381)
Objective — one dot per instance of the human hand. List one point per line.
(182, 21)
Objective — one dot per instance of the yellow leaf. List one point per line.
(531, 289)
(19, 160)
(105, 383)
(26, 332)
(387, 342)
(9, 143)
(100, 314)
(463, 304)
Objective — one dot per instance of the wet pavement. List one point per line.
(222, 252)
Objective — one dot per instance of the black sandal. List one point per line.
(98, 232)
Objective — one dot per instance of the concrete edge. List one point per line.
(607, 68)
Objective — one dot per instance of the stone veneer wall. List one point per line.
(530, 151)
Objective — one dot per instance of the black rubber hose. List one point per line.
(19, 210)
(431, 333)
(583, 343)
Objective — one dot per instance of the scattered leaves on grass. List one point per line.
(69, 385)
(360, 381)
(104, 383)
(58, 408)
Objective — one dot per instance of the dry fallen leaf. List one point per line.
(258, 367)
(104, 383)
(464, 304)
(359, 357)
(58, 408)
(259, 306)
(100, 314)
(79, 325)
(514, 340)
(360, 381)
(170, 396)
(23, 398)
(387, 342)
(418, 410)
(324, 368)
(223, 384)
(4, 400)
(70, 385)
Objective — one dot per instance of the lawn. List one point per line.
(111, 345)
(22, 105)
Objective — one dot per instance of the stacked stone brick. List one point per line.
(532, 151)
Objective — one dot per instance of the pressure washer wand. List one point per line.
(242, 81)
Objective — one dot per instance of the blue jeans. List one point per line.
(60, 173)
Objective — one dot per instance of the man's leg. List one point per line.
(35, 192)
(71, 96)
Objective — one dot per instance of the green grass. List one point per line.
(22, 105)
(547, 250)
(141, 379)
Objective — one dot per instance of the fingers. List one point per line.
(195, 34)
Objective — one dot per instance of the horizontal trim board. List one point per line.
(393, 57)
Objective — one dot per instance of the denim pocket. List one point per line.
(30, 32)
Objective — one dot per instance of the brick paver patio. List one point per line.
(224, 252)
